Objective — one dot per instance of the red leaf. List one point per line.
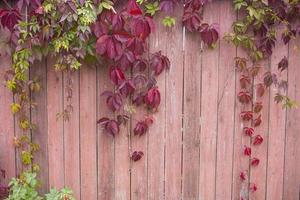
(139, 65)
(122, 119)
(244, 81)
(138, 98)
(194, 4)
(269, 79)
(110, 126)
(254, 161)
(103, 120)
(108, 45)
(258, 107)
(244, 97)
(136, 45)
(247, 151)
(253, 187)
(9, 18)
(125, 60)
(127, 87)
(244, 175)
(113, 100)
(257, 121)
(140, 128)
(283, 64)
(137, 155)
(141, 27)
(167, 5)
(191, 19)
(258, 140)
(260, 89)
(116, 75)
(209, 33)
(133, 8)
(152, 98)
(246, 115)
(159, 62)
(248, 131)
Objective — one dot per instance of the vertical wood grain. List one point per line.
(191, 116)
(209, 114)
(7, 150)
(55, 124)
(174, 98)
(71, 132)
(139, 169)
(106, 151)
(88, 134)
(39, 117)
(122, 164)
(276, 138)
(122, 161)
(226, 104)
(156, 134)
(292, 149)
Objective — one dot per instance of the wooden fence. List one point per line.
(193, 150)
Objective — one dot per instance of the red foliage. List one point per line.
(254, 161)
(159, 62)
(110, 126)
(258, 140)
(152, 98)
(9, 18)
(244, 81)
(257, 121)
(209, 33)
(244, 97)
(246, 115)
(258, 107)
(247, 151)
(137, 155)
(248, 131)
(243, 175)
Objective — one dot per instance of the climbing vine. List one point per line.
(114, 34)
(95, 32)
(257, 29)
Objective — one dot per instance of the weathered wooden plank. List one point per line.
(292, 148)
(156, 135)
(39, 117)
(209, 117)
(191, 116)
(258, 174)
(71, 132)
(174, 108)
(106, 151)
(55, 124)
(139, 178)
(122, 164)
(226, 103)
(122, 160)
(88, 133)
(276, 137)
(7, 152)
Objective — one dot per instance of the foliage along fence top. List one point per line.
(200, 111)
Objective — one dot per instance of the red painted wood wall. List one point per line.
(193, 150)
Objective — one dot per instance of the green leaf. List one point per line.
(168, 21)
(152, 8)
(238, 4)
(26, 157)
